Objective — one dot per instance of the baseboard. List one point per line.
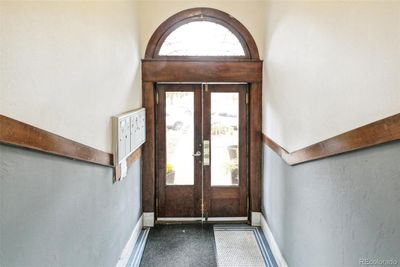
(148, 219)
(137, 254)
(272, 243)
(255, 218)
(127, 251)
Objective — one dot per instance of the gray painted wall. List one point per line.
(335, 211)
(60, 212)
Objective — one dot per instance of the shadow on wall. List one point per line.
(61, 212)
(335, 211)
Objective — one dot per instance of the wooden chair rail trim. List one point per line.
(20, 134)
(14, 132)
(379, 132)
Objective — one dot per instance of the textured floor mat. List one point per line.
(242, 245)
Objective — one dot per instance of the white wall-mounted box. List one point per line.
(129, 133)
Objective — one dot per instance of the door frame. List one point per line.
(202, 69)
(201, 198)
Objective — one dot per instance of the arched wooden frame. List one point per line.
(202, 69)
(202, 14)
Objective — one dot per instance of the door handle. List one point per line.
(197, 154)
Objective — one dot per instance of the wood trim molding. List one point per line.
(201, 71)
(16, 133)
(255, 131)
(149, 150)
(208, 69)
(379, 132)
(20, 134)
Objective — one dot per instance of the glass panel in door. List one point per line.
(225, 139)
(179, 112)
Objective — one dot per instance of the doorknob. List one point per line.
(198, 154)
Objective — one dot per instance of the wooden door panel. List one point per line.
(225, 192)
(228, 207)
(175, 199)
(180, 201)
(227, 200)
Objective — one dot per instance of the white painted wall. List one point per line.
(250, 13)
(330, 66)
(68, 66)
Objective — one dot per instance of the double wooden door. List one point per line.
(201, 150)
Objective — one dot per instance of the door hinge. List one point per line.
(247, 98)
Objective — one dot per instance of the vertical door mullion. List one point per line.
(207, 136)
(197, 161)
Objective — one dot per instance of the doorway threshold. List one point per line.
(162, 220)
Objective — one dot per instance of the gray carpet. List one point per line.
(180, 245)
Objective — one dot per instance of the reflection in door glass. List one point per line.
(179, 138)
(224, 138)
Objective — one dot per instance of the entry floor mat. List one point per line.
(180, 245)
(242, 246)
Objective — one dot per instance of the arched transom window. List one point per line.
(202, 33)
(201, 38)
